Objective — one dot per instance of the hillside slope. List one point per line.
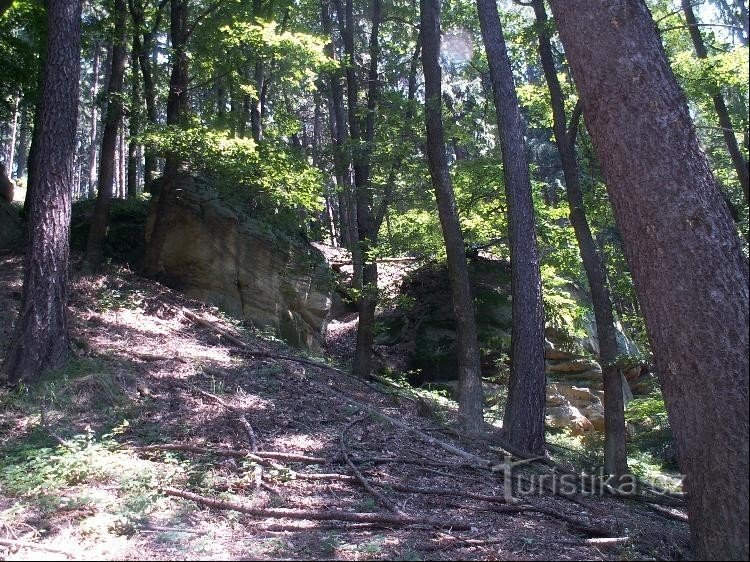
(94, 458)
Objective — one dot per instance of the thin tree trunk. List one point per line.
(95, 246)
(523, 420)
(11, 152)
(469, 369)
(133, 122)
(40, 339)
(339, 135)
(725, 122)
(143, 44)
(94, 120)
(684, 252)
(177, 104)
(615, 452)
(23, 144)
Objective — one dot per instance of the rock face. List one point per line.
(426, 332)
(215, 254)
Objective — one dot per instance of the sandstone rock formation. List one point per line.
(216, 254)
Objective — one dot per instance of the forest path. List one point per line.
(146, 375)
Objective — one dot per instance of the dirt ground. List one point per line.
(144, 374)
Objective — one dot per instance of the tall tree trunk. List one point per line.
(95, 246)
(93, 148)
(23, 143)
(256, 122)
(143, 44)
(133, 122)
(523, 420)
(366, 230)
(730, 139)
(684, 252)
(177, 104)
(615, 452)
(339, 136)
(40, 339)
(11, 150)
(469, 369)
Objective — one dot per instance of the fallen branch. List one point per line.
(676, 515)
(237, 453)
(316, 515)
(358, 475)
(580, 525)
(35, 546)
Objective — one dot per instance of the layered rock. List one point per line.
(216, 254)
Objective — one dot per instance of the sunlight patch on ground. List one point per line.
(300, 442)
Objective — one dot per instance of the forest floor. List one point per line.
(93, 460)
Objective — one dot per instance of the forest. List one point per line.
(374, 279)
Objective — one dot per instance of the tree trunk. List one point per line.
(94, 120)
(177, 103)
(40, 339)
(339, 135)
(143, 44)
(133, 122)
(366, 229)
(730, 139)
(469, 369)
(523, 421)
(615, 452)
(11, 151)
(23, 143)
(684, 253)
(256, 123)
(95, 246)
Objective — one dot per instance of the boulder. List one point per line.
(216, 254)
(568, 417)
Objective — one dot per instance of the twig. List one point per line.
(358, 475)
(317, 515)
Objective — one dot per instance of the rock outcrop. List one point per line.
(426, 333)
(216, 254)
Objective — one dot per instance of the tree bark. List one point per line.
(523, 420)
(725, 122)
(469, 369)
(40, 339)
(177, 104)
(95, 246)
(684, 253)
(615, 452)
